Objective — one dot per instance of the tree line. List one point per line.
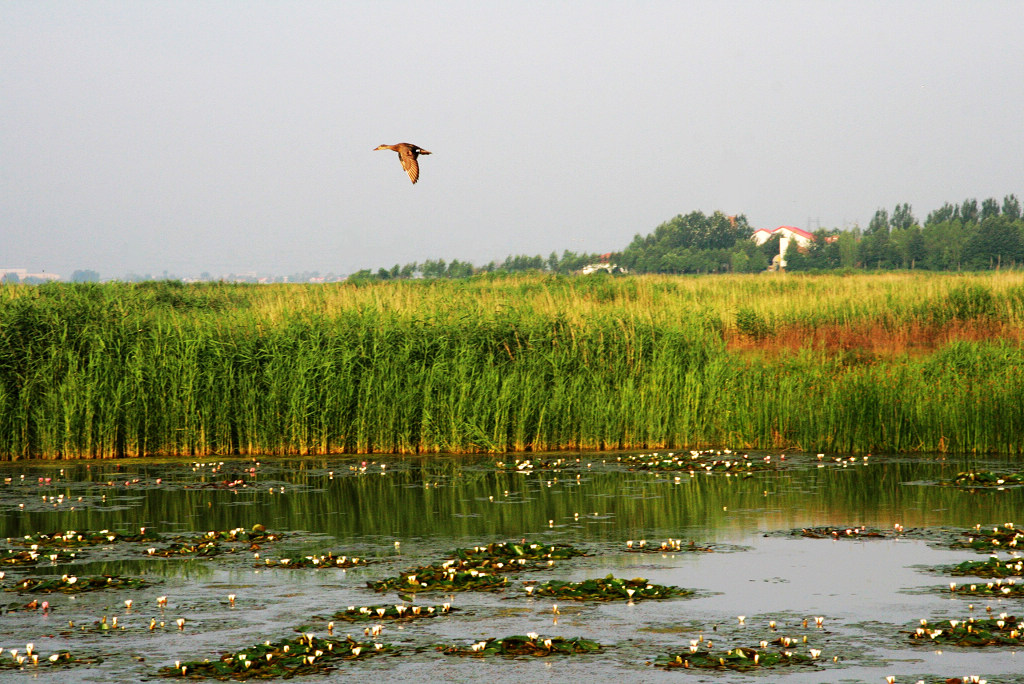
(965, 236)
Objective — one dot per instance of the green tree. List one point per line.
(989, 208)
(902, 217)
(969, 211)
(85, 276)
(1011, 207)
(948, 212)
(795, 258)
(945, 244)
(879, 223)
(997, 243)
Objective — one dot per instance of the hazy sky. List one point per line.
(228, 136)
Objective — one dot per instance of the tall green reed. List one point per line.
(495, 365)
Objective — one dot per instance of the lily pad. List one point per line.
(71, 584)
(608, 588)
(741, 659)
(1004, 630)
(995, 589)
(998, 538)
(327, 560)
(993, 567)
(442, 577)
(984, 479)
(523, 549)
(528, 645)
(16, 659)
(73, 538)
(16, 558)
(287, 658)
(667, 546)
(397, 612)
(852, 532)
(694, 462)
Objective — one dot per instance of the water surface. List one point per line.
(403, 512)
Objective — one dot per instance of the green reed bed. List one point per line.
(504, 364)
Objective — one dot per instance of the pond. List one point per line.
(849, 554)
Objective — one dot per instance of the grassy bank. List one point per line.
(894, 362)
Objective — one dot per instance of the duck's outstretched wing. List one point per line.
(409, 163)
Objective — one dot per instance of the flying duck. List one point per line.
(407, 154)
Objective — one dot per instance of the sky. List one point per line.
(229, 136)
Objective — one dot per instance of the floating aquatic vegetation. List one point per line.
(1005, 537)
(993, 567)
(71, 584)
(29, 659)
(327, 560)
(216, 542)
(304, 655)
(34, 604)
(978, 479)
(669, 545)
(521, 549)
(996, 589)
(14, 557)
(609, 588)
(73, 538)
(741, 658)
(1004, 630)
(693, 462)
(392, 612)
(204, 549)
(443, 577)
(528, 645)
(528, 465)
(257, 535)
(505, 552)
(852, 532)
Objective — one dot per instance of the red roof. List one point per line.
(799, 231)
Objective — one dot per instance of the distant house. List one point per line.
(802, 237)
(604, 265)
(23, 275)
(786, 234)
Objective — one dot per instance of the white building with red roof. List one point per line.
(786, 234)
(802, 237)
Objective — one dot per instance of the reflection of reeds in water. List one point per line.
(872, 363)
(465, 502)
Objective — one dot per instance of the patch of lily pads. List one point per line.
(995, 589)
(315, 562)
(217, 542)
(1005, 537)
(985, 479)
(444, 577)
(73, 538)
(1004, 630)
(71, 584)
(392, 612)
(303, 655)
(608, 588)
(526, 645)
(993, 567)
(741, 659)
(693, 462)
(31, 660)
(529, 465)
(29, 557)
(530, 551)
(852, 532)
(667, 546)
